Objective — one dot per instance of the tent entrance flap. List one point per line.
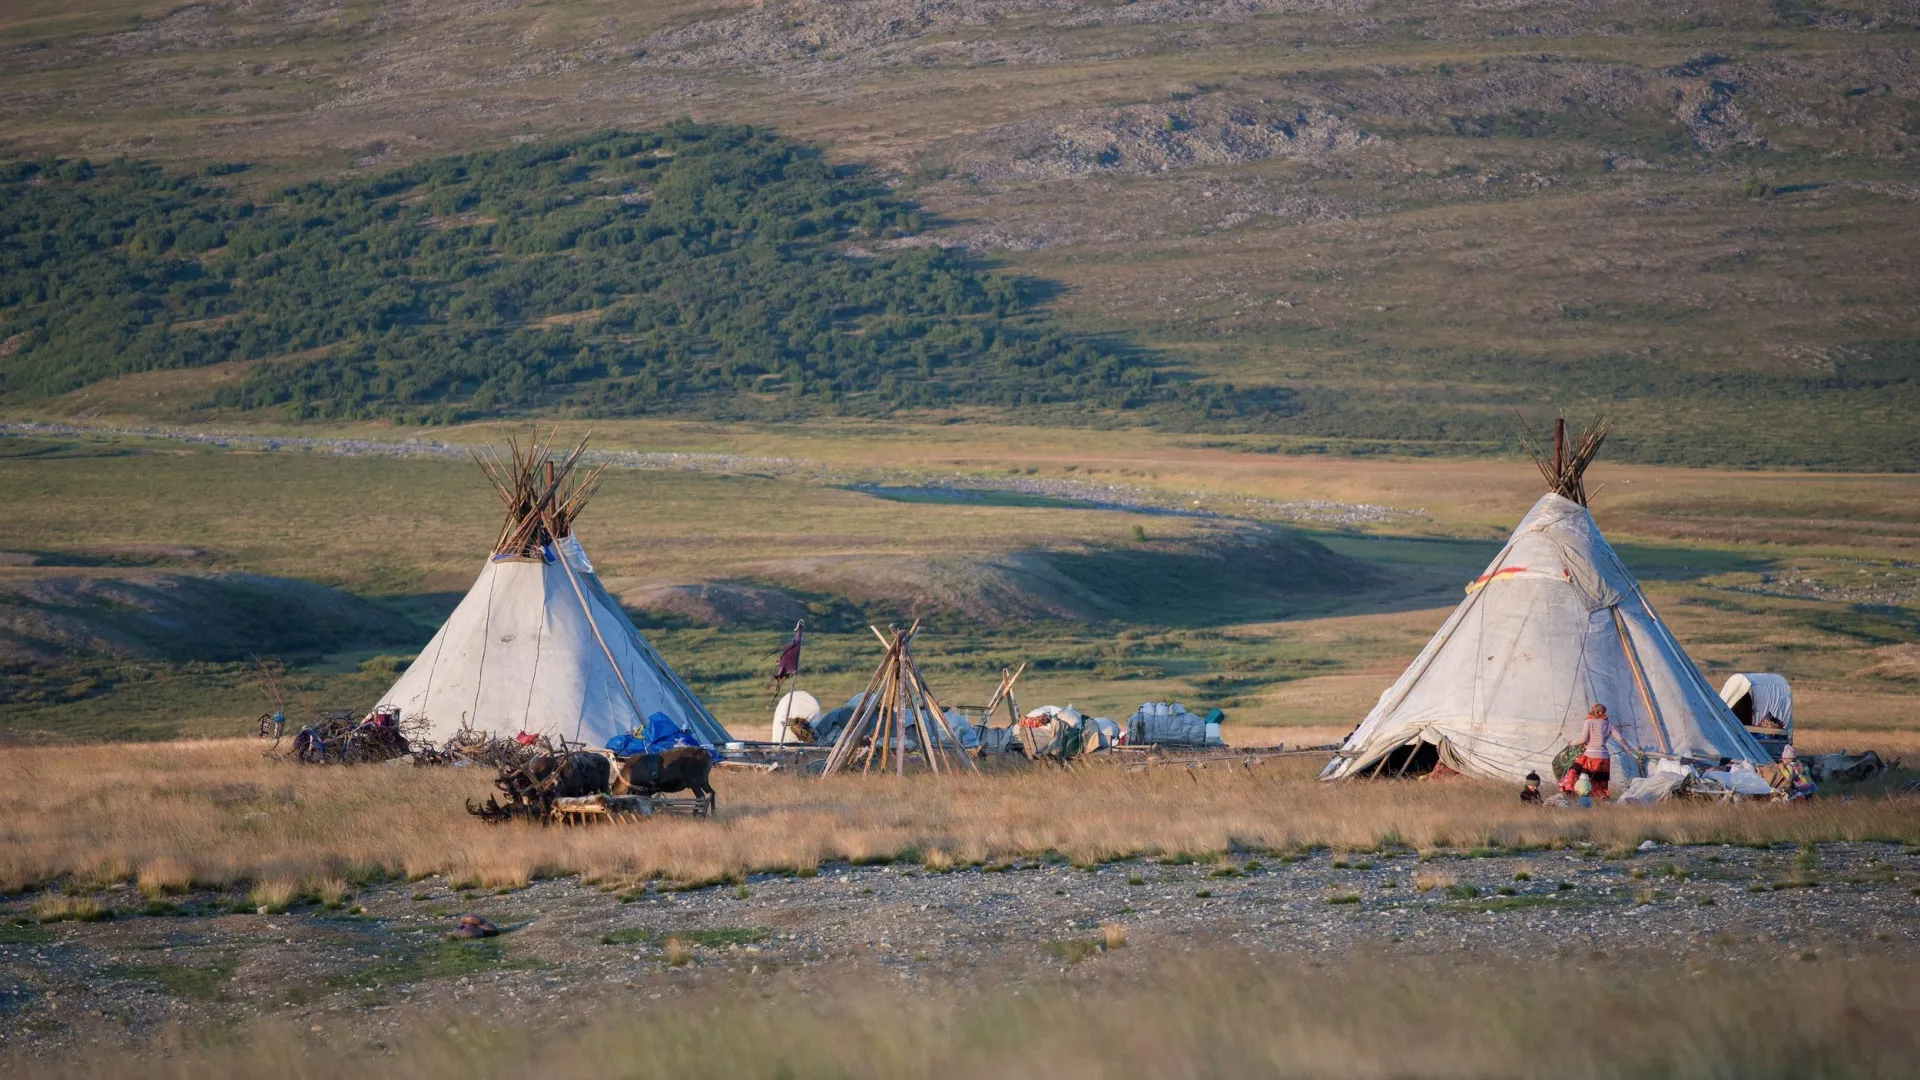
(1410, 759)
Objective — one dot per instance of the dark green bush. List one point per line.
(711, 268)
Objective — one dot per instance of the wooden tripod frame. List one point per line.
(896, 705)
(1003, 694)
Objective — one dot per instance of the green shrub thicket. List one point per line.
(707, 268)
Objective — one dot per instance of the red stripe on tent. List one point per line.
(1505, 571)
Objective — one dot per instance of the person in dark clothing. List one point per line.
(1531, 793)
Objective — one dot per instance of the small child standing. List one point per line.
(1531, 793)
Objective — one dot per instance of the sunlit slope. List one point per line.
(1384, 224)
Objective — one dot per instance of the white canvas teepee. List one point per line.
(538, 645)
(1555, 625)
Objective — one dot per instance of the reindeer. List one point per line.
(530, 789)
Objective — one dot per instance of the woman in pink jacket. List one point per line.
(1593, 759)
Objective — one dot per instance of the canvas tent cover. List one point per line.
(1555, 624)
(538, 645)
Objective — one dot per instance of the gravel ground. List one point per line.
(354, 971)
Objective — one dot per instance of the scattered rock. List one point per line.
(473, 926)
(1155, 138)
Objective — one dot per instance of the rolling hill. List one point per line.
(1385, 224)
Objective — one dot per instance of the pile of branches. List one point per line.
(543, 491)
(336, 738)
(470, 747)
(1565, 470)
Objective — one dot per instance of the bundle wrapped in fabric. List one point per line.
(1065, 733)
(1160, 723)
(828, 725)
(1662, 781)
(963, 729)
(1051, 732)
(1739, 778)
(997, 740)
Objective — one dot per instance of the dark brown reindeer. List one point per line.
(531, 789)
(683, 768)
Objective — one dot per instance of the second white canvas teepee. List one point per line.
(538, 645)
(1554, 625)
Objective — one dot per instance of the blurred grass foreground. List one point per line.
(1146, 1013)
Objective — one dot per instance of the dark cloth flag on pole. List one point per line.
(789, 663)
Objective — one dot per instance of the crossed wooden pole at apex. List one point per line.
(895, 707)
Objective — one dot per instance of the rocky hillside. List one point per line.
(1385, 222)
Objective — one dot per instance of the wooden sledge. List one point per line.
(595, 809)
(760, 756)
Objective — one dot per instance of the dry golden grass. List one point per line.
(1138, 1013)
(219, 813)
(332, 892)
(164, 877)
(677, 954)
(274, 895)
(59, 908)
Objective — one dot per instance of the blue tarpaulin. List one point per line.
(661, 734)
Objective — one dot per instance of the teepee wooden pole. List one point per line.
(877, 730)
(903, 698)
(594, 625)
(877, 747)
(849, 740)
(930, 744)
(916, 703)
(935, 726)
(1640, 680)
(940, 717)
(888, 713)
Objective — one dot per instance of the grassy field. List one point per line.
(1206, 1012)
(1281, 619)
(220, 815)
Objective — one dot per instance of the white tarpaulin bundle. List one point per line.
(1766, 695)
(538, 645)
(1160, 723)
(1555, 624)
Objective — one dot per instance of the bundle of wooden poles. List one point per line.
(895, 707)
(543, 490)
(1565, 471)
